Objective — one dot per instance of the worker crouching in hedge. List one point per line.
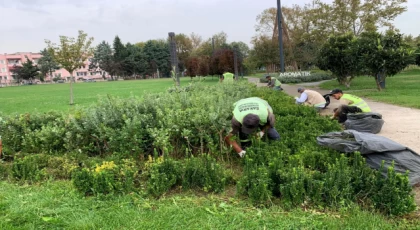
(249, 116)
(349, 104)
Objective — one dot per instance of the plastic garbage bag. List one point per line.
(375, 149)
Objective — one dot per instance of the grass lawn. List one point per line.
(56, 205)
(42, 98)
(402, 89)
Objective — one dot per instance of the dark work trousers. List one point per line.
(345, 109)
(245, 139)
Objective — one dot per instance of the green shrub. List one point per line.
(256, 183)
(107, 178)
(30, 168)
(393, 194)
(5, 170)
(163, 174)
(205, 173)
(315, 76)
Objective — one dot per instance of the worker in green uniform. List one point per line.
(273, 83)
(349, 104)
(228, 77)
(249, 115)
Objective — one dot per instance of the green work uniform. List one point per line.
(229, 77)
(356, 101)
(252, 105)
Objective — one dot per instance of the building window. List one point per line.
(13, 62)
(3, 70)
(35, 61)
(5, 78)
(81, 74)
(1, 61)
(57, 75)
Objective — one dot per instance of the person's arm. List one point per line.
(303, 97)
(271, 121)
(235, 130)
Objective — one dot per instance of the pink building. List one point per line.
(9, 61)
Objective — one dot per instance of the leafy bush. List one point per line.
(163, 174)
(191, 121)
(318, 76)
(393, 194)
(107, 178)
(5, 170)
(30, 168)
(205, 173)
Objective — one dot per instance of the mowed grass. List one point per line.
(56, 205)
(47, 97)
(402, 89)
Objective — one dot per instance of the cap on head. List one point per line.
(334, 91)
(300, 90)
(250, 123)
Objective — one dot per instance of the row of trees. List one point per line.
(307, 27)
(131, 60)
(371, 53)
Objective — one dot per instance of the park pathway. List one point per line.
(401, 124)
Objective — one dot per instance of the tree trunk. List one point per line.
(71, 89)
(380, 80)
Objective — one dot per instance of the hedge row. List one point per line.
(179, 136)
(299, 79)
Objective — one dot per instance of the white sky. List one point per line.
(27, 23)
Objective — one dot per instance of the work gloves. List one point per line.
(242, 153)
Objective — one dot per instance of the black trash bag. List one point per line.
(364, 122)
(375, 149)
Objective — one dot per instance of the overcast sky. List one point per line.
(26, 23)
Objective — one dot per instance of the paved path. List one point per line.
(401, 124)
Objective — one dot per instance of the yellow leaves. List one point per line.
(153, 161)
(105, 165)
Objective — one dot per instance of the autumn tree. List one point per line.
(204, 66)
(192, 65)
(184, 48)
(196, 40)
(71, 54)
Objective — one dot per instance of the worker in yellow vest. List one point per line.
(249, 115)
(273, 83)
(228, 77)
(349, 104)
(311, 98)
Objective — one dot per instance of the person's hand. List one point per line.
(332, 117)
(260, 134)
(296, 98)
(242, 153)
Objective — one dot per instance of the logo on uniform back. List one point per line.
(249, 107)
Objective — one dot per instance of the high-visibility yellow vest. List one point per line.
(229, 77)
(357, 101)
(252, 105)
